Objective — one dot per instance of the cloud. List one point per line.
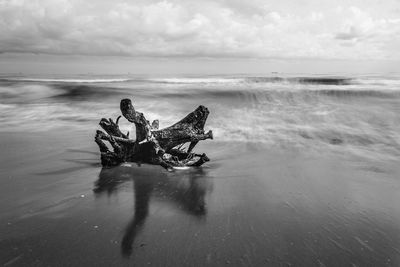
(360, 25)
(376, 37)
(178, 28)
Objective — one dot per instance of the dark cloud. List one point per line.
(352, 34)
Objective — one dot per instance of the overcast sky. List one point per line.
(219, 30)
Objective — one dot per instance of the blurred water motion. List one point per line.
(354, 115)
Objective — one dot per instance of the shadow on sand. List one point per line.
(185, 189)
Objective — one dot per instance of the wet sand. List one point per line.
(250, 206)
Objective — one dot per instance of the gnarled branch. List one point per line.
(154, 146)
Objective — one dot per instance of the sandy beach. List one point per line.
(248, 207)
(174, 133)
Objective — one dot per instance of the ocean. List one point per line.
(351, 115)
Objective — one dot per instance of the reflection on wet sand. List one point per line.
(186, 189)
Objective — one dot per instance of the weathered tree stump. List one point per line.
(154, 146)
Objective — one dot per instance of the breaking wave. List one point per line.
(63, 80)
(245, 80)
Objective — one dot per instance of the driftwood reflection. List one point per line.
(186, 189)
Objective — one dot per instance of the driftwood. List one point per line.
(152, 145)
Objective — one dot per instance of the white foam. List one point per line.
(181, 168)
(69, 80)
(197, 80)
(28, 91)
